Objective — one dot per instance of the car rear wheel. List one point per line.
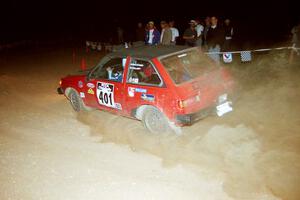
(155, 121)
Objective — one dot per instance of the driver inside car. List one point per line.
(115, 74)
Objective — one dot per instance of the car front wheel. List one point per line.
(75, 100)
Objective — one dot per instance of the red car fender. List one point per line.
(167, 101)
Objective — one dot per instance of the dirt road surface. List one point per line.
(47, 151)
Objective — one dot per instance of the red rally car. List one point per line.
(163, 86)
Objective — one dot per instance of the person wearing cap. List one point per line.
(190, 34)
(166, 33)
(152, 35)
(228, 35)
(199, 28)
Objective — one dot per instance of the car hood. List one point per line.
(75, 77)
(80, 73)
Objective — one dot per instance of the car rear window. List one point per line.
(187, 66)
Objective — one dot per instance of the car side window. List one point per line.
(143, 73)
(112, 70)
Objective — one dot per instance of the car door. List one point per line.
(107, 85)
(144, 85)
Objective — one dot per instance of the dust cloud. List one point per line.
(254, 151)
(48, 151)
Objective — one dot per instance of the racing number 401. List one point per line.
(106, 98)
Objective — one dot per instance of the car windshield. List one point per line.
(187, 66)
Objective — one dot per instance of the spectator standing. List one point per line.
(152, 34)
(295, 42)
(120, 33)
(206, 28)
(166, 33)
(215, 38)
(175, 32)
(228, 29)
(140, 32)
(296, 35)
(190, 34)
(199, 28)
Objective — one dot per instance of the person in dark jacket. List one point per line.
(228, 30)
(206, 28)
(152, 35)
(215, 38)
(190, 34)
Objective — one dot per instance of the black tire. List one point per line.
(155, 121)
(75, 101)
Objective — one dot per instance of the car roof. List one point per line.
(148, 52)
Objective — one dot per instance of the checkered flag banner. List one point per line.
(246, 56)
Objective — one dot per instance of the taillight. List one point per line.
(60, 82)
(185, 103)
(180, 104)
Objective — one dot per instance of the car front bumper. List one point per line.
(60, 90)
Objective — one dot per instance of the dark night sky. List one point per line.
(46, 19)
